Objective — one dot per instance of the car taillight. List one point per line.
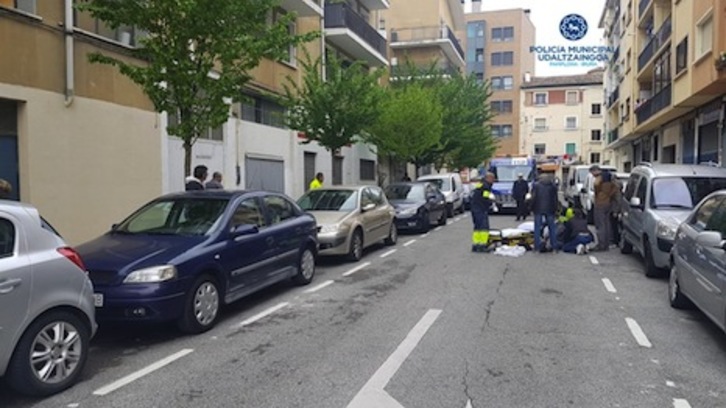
(72, 256)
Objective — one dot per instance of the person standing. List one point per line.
(215, 183)
(605, 193)
(519, 194)
(6, 189)
(196, 182)
(481, 201)
(616, 212)
(544, 207)
(317, 182)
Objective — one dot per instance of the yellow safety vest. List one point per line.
(315, 184)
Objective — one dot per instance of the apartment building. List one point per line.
(83, 143)
(497, 50)
(666, 83)
(563, 117)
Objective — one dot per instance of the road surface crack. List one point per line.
(490, 304)
(465, 383)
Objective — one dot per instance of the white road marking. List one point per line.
(373, 394)
(594, 260)
(680, 403)
(424, 235)
(318, 287)
(638, 333)
(468, 404)
(261, 315)
(437, 229)
(609, 285)
(356, 269)
(409, 242)
(144, 371)
(391, 252)
(73, 405)
(670, 383)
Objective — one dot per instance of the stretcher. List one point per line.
(512, 238)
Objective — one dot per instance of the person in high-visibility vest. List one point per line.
(317, 181)
(481, 202)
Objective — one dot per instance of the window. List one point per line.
(279, 208)
(475, 29)
(502, 106)
(540, 98)
(479, 55)
(571, 122)
(572, 98)
(502, 58)
(662, 71)
(540, 124)
(596, 109)
(704, 36)
(539, 148)
(642, 191)
(248, 213)
(126, 35)
(497, 83)
(27, 6)
(367, 170)
(596, 135)
(502, 82)
(682, 56)
(570, 148)
(507, 130)
(703, 215)
(630, 186)
(373, 195)
(508, 82)
(479, 77)
(500, 34)
(211, 133)
(594, 158)
(7, 238)
(264, 111)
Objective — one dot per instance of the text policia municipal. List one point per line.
(571, 53)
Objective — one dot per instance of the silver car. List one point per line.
(698, 260)
(350, 219)
(47, 314)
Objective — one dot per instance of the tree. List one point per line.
(410, 124)
(335, 111)
(197, 56)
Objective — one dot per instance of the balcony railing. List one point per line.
(339, 15)
(657, 103)
(442, 68)
(613, 135)
(613, 97)
(616, 56)
(642, 6)
(660, 38)
(442, 32)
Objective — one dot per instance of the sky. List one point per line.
(546, 16)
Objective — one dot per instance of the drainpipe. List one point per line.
(322, 43)
(68, 31)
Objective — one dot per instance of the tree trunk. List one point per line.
(187, 158)
(332, 166)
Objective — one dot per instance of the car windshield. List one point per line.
(511, 173)
(443, 184)
(329, 200)
(581, 175)
(182, 216)
(684, 192)
(409, 192)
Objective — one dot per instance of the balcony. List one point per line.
(440, 36)
(616, 56)
(652, 106)
(303, 8)
(443, 69)
(350, 32)
(643, 6)
(613, 97)
(655, 43)
(613, 135)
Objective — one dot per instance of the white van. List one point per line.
(450, 184)
(587, 193)
(577, 177)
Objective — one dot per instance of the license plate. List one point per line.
(98, 299)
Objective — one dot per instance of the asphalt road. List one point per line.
(425, 324)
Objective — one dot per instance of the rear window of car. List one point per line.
(7, 238)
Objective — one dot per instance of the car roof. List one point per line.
(358, 187)
(436, 176)
(666, 170)
(220, 194)
(12, 205)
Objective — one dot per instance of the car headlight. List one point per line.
(326, 229)
(666, 228)
(408, 211)
(152, 275)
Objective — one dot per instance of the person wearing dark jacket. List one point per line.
(577, 234)
(544, 207)
(197, 181)
(519, 194)
(481, 201)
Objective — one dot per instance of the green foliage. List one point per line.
(337, 110)
(410, 123)
(188, 39)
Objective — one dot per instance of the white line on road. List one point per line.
(261, 315)
(424, 235)
(594, 260)
(437, 229)
(391, 252)
(670, 383)
(318, 287)
(638, 333)
(373, 394)
(409, 242)
(356, 269)
(144, 371)
(680, 403)
(468, 404)
(609, 285)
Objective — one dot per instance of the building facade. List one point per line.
(497, 50)
(562, 118)
(83, 143)
(666, 83)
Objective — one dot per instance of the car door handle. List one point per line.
(7, 286)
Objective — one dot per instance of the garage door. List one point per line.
(263, 174)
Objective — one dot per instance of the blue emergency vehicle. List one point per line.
(506, 170)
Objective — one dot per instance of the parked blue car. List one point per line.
(181, 256)
(418, 205)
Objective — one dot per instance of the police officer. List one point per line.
(481, 201)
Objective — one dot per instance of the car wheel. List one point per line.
(392, 235)
(625, 246)
(202, 306)
(356, 246)
(50, 355)
(442, 219)
(450, 211)
(677, 299)
(305, 267)
(651, 270)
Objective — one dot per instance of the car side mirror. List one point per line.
(368, 207)
(710, 239)
(113, 227)
(244, 229)
(635, 202)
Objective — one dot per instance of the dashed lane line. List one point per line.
(356, 269)
(318, 287)
(680, 403)
(141, 373)
(609, 285)
(594, 260)
(261, 315)
(437, 229)
(391, 252)
(638, 333)
(409, 242)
